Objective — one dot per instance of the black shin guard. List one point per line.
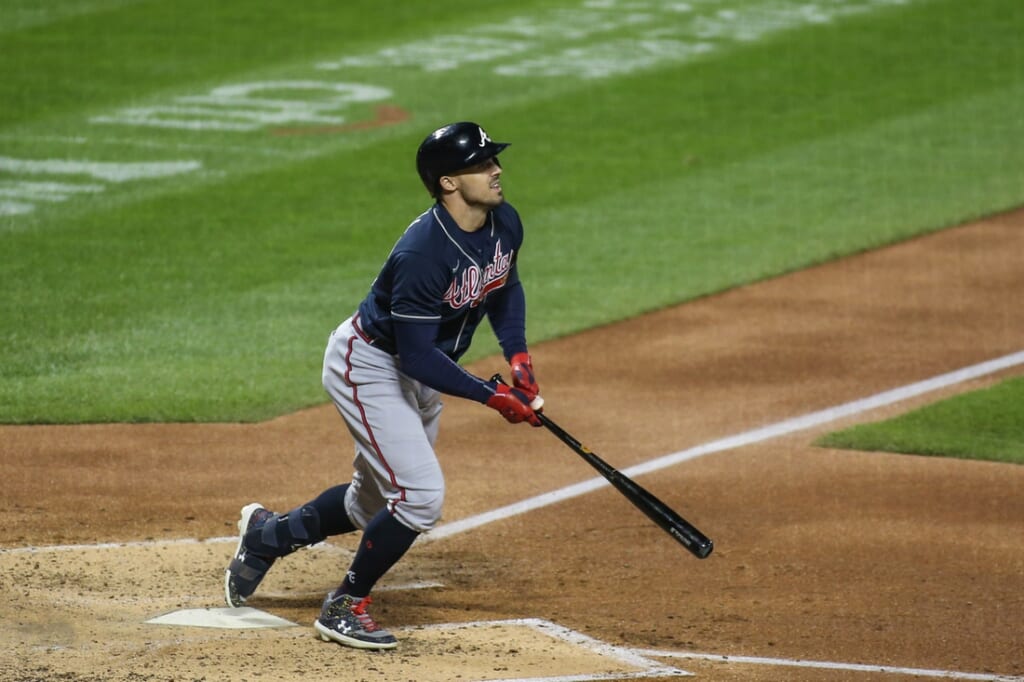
(282, 534)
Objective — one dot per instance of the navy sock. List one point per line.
(384, 542)
(331, 507)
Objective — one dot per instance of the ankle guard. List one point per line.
(282, 534)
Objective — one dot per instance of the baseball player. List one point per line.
(386, 367)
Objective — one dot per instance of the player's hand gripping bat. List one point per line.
(667, 519)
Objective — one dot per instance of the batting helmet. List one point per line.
(452, 148)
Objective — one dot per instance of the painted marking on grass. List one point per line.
(593, 40)
(242, 107)
(17, 16)
(53, 192)
(177, 145)
(604, 38)
(19, 197)
(831, 665)
(751, 437)
(100, 170)
(384, 115)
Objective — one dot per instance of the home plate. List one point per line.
(237, 619)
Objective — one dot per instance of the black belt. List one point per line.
(372, 340)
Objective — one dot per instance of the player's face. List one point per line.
(480, 185)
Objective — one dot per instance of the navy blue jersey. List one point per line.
(440, 275)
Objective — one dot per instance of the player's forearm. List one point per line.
(507, 312)
(425, 363)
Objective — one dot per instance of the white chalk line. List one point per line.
(759, 435)
(751, 437)
(380, 587)
(653, 669)
(649, 668)
(830, 665)
(115, 545)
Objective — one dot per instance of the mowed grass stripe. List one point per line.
(784, 210)
(211, 301)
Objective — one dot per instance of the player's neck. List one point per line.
(468, 217)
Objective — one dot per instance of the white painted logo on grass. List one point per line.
(19, 195)
(591, 40)
(604, 38)
(252, 106)
(596, 39)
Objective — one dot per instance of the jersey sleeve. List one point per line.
(424, 362)
(506, 310)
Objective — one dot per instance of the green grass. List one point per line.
(985, 425)
(208, 295)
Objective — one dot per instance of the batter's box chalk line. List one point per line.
(648, 668)
(831, 665)
(246, 617)
(643, 659)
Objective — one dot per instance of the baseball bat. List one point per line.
(664, 516)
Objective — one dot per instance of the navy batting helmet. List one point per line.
(452, 148)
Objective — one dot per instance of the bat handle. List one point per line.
(536, 404)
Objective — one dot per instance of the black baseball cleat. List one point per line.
(343, 619)
(246, 569)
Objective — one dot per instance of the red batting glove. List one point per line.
(513, 404)
(522, 374)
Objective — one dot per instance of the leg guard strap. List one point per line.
(282, 534)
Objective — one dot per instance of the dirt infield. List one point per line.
(829, 565)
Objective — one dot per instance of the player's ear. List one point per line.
(447, 184)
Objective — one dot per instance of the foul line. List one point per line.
(758, 435)
(828, 665)
(632, 657)
(776, 430)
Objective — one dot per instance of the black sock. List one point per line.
(384, 542)
(331, 507)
